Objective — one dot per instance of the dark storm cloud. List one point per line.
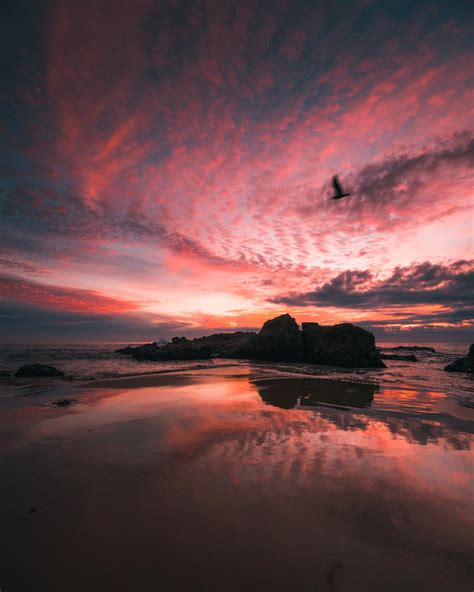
(423, 283)
(381, 181)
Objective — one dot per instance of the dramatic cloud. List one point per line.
(446, 292)
(175, 158)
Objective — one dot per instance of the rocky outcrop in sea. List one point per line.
(279, 339)
(340, 345)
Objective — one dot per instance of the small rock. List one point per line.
(413, 348)
(63, 402)
(410, 358)
(467, 402)
(38, 371)
(334, 568)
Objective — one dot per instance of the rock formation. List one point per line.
(465, 364)
(280, 339)
(221, 345)
(340, 345)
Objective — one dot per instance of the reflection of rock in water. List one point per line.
(327, 395)
(290, 392)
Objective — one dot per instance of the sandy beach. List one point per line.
(221, 480)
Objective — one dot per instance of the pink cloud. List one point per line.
(205, 149)
(61, 298)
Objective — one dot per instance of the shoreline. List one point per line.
(152, 378)
(49, 390)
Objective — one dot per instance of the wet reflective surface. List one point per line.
(228, 482)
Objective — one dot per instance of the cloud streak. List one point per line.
(61, 298)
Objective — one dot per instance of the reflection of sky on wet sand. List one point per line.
(232, 489)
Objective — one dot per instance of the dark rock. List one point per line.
(409, 358)
(280, 339)
(332, 572)
(239, 345)
(139, 351)
(340, 345)
(38, 370)
(32, 510)
(412, 348)
(465, 364)
(221, 345)
(63, 402)
(130, 350)
(4, 374)
(180, 349)
(467, 402)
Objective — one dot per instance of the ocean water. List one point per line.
(95, 361)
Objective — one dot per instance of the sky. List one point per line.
(166, 167)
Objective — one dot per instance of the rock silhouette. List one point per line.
(221, 345)
(412, 348)
(340, 345)
(63, 402)
(408, 358)
(465, 364)
(38, 371)
(279, 339)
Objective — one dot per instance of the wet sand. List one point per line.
(219, 480)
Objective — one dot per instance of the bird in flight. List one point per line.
(338, 189)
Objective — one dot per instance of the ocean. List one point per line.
(95, 361)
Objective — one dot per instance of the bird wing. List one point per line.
(336, 185)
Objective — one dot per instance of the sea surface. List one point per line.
(94, 361)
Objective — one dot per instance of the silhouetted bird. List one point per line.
(338, 189)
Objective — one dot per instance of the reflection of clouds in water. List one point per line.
(209, 470)
(353, 482)
(217, 422)
(311, 445)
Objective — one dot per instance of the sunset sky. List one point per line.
(166, 167)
